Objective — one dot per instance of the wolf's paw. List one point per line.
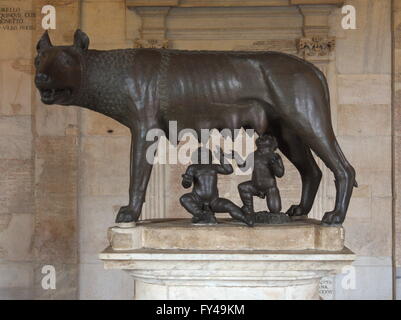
(295, 210)
(333, 218)
(127, 214)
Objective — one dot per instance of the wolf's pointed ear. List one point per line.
(81, 40)
(44, 42)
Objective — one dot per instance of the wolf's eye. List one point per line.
(37, 62)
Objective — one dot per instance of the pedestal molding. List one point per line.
(175, 274)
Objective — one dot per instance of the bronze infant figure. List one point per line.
(143, 89)
(204, 199)
(267, 165)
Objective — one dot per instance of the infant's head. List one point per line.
(266, 142)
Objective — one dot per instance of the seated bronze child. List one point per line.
(204, 199)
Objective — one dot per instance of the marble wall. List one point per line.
(45, 222)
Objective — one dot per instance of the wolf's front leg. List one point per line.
(140, 170)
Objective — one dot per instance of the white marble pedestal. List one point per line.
(176, 260)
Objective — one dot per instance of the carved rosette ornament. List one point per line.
(151, 43)
(316, 46)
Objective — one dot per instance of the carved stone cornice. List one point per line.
(316, 46)
(153, 22)
(229, 3)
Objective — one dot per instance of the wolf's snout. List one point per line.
(41, 78)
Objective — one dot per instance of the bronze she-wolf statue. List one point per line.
(273, 93)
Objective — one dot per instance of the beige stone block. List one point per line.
(371, 237)
(55, 120)
(56, 239)
(96, 214)
(5, 219)
(367, 153)
(105, 165)
(16, 239)
(16, 78)
(224, 23)
(375, 183)
(180, 234)
(382, 214)
(16, 275)
(96, 124)
(56, 175)
(397, 28)
(96, 283)
(360, 208)
(102, 18)
(334, 22)
(364, 120)
(396, 6)
(367, 49)
(16, 195)
(15, 137)
(379, 181)
(16, 36)
(15, 126)
(364, 89)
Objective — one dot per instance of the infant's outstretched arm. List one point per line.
(223, 168)
(188, 178)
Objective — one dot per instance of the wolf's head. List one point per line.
(59, 69)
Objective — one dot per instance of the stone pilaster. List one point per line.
(56, 150)
(153, 28)
(396, 84)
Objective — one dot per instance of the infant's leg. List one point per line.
(191, 204)
(273, 200)
(225, 205)
(247, 191)
(196, 207)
